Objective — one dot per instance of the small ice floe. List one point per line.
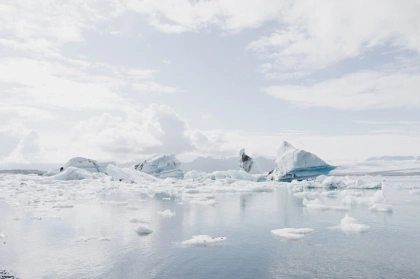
(349, 224)
(203, 240)
(138, 220)
(319, 205)
(85, 238)
(167, 213)
(2, 235)
(381, 207)
(132, 207)
(291, 233)
(17, 218)
(36, 218)
(105, 238)
(415, 192)
(166, 199)
(143, 230)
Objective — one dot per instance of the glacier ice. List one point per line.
(143, 230)
(292, 233)
(349, 224)
(293, 163)
(88, 164)
(161, 166)
(203, 240)
(245, 162)
(73, 173)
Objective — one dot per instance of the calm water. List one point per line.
(50, 247)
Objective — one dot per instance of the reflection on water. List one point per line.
(66, 243)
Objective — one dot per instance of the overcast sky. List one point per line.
(120, 79)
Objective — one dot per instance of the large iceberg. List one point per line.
(161, 166)
(293, 163)
(245, 162)
(88, 164)
(81, 163)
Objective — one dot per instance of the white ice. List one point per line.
(143, 230)
(292, 233)
(203, 240)
(381, 207)
(161, 166)
(293, 163)
(349, 224)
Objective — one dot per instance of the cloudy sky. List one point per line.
(120, 79)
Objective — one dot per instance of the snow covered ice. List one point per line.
(293, 163)
(161, 166)
(203, 240)
(349, 224)
(292, 233)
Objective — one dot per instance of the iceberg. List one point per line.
(88, 164)
(161, 166)
(297, 164)
(73, 173)
(245, 162)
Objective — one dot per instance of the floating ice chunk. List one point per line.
(73, 173)
(349, 224)
(17, 218)
(132, 207)
(332, 182)
(161, 166)
(415, 192)
(291, 233)
(143, 230)
(381, 207)
(203, 240)
(2, 235)
(379, 197)
(318, 204)
(293, 163)
(36, 218)
(167, 213)
(193, 174)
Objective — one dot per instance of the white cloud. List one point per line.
(24, 113)
(178, 16)
(364, 90)
(153, 87)
(29, 150)
(314, 35)
(155, 129)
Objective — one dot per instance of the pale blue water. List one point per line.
(48, 248)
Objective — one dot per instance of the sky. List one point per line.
(122, 79)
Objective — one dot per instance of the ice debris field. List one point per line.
(303, 179)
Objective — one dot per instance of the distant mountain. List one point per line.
(209, 164)
(38, 172)
(393, 158)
